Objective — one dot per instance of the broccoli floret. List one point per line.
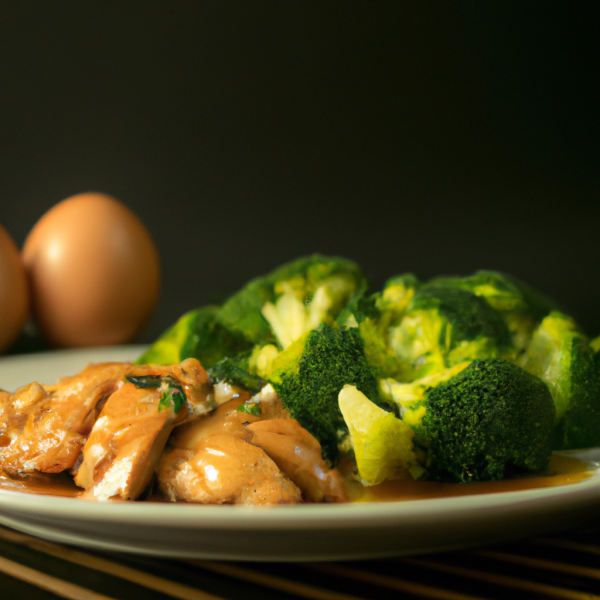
(359, 307)
(488, 420)
(521, 306)
(491, 417)
(309, 375)
(261, 360)
(445, 325)
(293, 299)
(396, 297)
(197, 334)
(561, 355)
(407, 397)
(364, 313)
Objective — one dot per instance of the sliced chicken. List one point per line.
(127, 439)
(44, 427)
(293, 449)
(298, 454)
(224, 469)
(121, 451)
(226, 419)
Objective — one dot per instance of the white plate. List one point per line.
(286, 533)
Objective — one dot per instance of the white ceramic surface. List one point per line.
(287, 533)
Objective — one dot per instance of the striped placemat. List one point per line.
(565, 566)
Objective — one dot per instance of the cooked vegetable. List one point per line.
(235, 372)
(310, 373)
(483, 377)
(272, 310)
(292, 300)
(372, 321)
(382, 443)
(408, 396)
(521, 306)
(396, 297)
(484, 422)
(197, 334)
(561, 355)
(445, 325)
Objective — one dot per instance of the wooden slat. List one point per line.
(505, 580)
(159, 584)
(271, 581)
(402, 585)
(568, 544)
(48, 583)
(539, 563)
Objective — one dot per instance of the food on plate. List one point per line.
(486, 419)
(275, 310)
(309, 374)
(305, 386)
(44, 428)
(560, 354)
(14, 293)
(94, 272)
(382, 443)
(398, 346)
(134, 425)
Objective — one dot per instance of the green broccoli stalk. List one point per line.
(197, 334)
(282, 306)
(482, 423)
(561, 355)
(444, 326)
(309, 375)
(521, 306)
(382, 443)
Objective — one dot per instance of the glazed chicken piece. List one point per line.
(42, 428)
(294, 450)
(226, 419)
(224, 469)
(210, 462)
(298, 454)
(127, 439)
(121, 451)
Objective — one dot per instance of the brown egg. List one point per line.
(14, 294)
(93, 270)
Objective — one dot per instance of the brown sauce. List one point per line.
(562, 470)
(46, 484)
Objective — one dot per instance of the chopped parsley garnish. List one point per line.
(173, 397)
(250, 408)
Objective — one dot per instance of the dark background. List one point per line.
(433, 137)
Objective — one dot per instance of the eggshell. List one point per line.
(93, 270)
(14, 293)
